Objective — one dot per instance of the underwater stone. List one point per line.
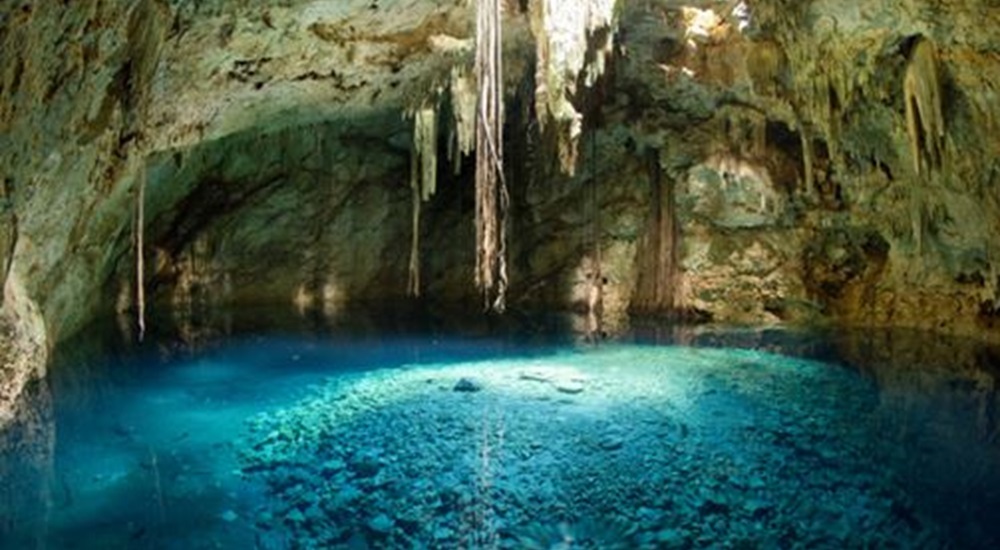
(570, 386)
(467, 385)
(295, 516)
(409, 519)
(612, 443)
(333, 466)
(264, 519)
(671, 538)
(758, 509)
(366, 464)
(357, 542)
(310, 497)
(534, 376)
(348, 493)
(381, 524)
(229, 516)
(443, 533)
(315, 514)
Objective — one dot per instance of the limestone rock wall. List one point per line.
(815, 180)
(851, 68)
(222, 110)
(93, 95)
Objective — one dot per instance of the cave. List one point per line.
(542, 274)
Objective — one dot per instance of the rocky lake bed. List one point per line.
(614, 448)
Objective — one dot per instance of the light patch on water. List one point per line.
(582, 436)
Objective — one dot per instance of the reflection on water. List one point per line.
(27, 456)
(938, 404)
(126, 447)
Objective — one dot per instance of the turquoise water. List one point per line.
(523, 437)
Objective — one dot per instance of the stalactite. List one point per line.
(822, 108)
(491, 189)
(917, 222)
(808, 155)
(462, 89)
(835, 108)
(423, 183)
(767, 67)
(542, 61)
(922, 95)
(758, 125)
(425, 144)
(925, 127)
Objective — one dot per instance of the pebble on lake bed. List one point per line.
(569, 386)
(467, 385)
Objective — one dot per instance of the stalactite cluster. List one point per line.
(491, 189)
(563, 30)
(925, 130)
(829, 78)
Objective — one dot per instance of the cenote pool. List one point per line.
(322, 436)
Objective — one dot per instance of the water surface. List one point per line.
(357, 433)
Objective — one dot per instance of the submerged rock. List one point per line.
(534, 376)
(333, 466)
(366, 464)
(443, 533)
(467, 385)
(357, 542)
(569, 386)
(295, 517)
(381, 524)
(612, 442)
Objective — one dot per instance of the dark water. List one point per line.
(247, 433)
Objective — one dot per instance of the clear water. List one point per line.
(354, 436)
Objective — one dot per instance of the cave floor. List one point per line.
(445, 442)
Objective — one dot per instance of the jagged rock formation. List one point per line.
(815, 97)
(827, 160)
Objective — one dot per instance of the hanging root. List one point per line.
(140, 283)
(491, 189)
(413, 279)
